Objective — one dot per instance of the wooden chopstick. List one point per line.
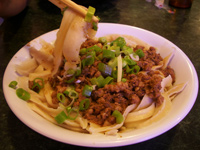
(63, 3)
(59, 4)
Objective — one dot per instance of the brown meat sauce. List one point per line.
(119, 95)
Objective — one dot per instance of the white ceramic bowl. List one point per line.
(182, 104)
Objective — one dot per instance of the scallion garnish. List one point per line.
(61, 97)
(70, 113)
(89, 60)
(73, 94)
(120, 41)
(108, 54)
(38, 84)
(13, 84)
(119, 117)
(102, 40)
(70, 80)
(105, 69)
(87, 90)
(140, 53)
(136, 69)
(61, 117)
(84, 104)
(90, 14)
(23, 94)
(94, 26)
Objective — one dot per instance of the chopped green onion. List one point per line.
(119, 117)
(87, 90)
(102, 40)
(124, 79)
(38, 84)
(107, 80)
(70, 80)
(61, 117)
(41, 81)
(23, 94)
(91, 53)
(13, 84)
(140, 53)
(61, 97)
(100, 56)
(73, 94)
(69, 112)
(113, 62)
(116, 49)
(71, 71)
(90, 14)
(136, 69)
(89, 60)
(83, 51)
(127, 50)
(98, 81)
(94, 26)
(130, 62)
(84, 104)
(105, 69)
(66, 92)
(120, 41)
(94, 48)
(106, 47)
(78, 72)
(124, 63)
(114, 74)
(108, 54)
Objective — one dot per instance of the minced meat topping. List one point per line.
(114, 95)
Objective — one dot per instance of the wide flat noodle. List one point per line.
(140, 114)
(173, 91)
(158, 114)
(167, 60)
(47, 93)
(145, 102)
(46, 60)
(23, 82)
(71, 125)
(166, 82)
(72, 33)
(64, 27)
(26, 67)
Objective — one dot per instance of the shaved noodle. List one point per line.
(26, 67)
(145, 102)
(64, 27)
(48, 92)
(141, 114)
(167, 60)
(173, 91)
(72, 24)
(46, 60)
(158, 114)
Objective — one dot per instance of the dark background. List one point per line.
(40, 16)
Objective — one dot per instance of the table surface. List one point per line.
(40, 16)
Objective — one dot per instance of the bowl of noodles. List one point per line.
(141, 121)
